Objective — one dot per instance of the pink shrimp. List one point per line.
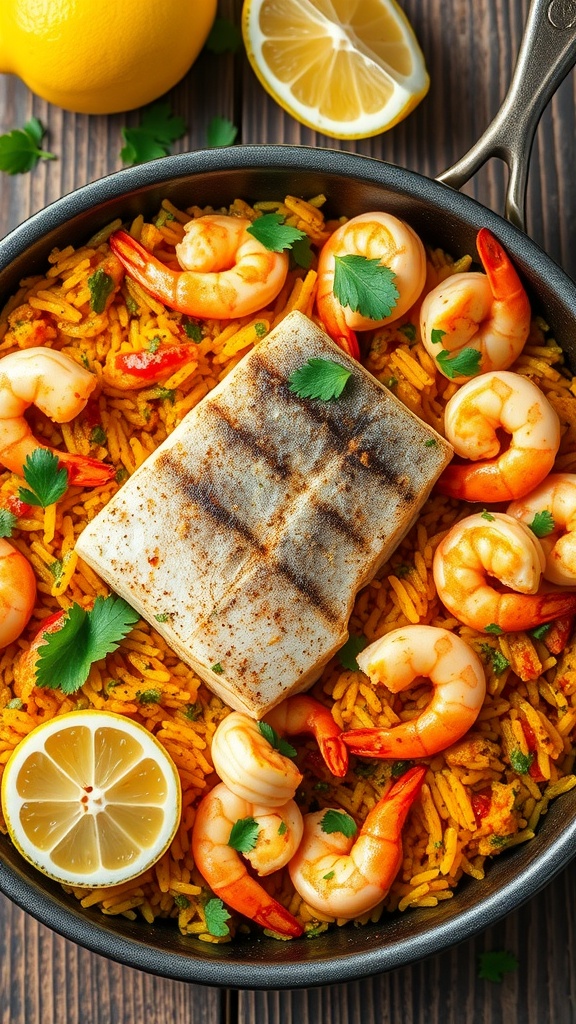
(474, 418)
(489, 313)
(459, 688)
(224, 271)
(374, 236)
(225, 871)
(60, 388)
(347, 876)
(303, 714)
(17, 592)
(556, 496)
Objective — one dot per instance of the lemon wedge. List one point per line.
(344, 68)
(91, 798)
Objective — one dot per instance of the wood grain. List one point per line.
(470, 49)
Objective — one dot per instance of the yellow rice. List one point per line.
(447, 835)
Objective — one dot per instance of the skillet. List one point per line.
(443, 217)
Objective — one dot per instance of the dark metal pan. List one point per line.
(446, 218)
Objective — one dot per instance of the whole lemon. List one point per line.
(97, 58)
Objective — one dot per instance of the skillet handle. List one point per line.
(547, 54)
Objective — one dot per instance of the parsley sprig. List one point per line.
(271, 230)
(154, 136)
(338, 821)
(465, 364)
(216, 917)
(366, 286)
(7, 522)
(220, 132)
(244, 835)
(543, 523)
(276, 742)
(47, 481)
(494, 964)
(21, 149)
(319, 378)
(347, 654)
(66, 656)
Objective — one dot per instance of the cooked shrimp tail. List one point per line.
(225, 272)
(348, 876)
(249, 898)
(458, 690)
(17, 592)
(304, 714)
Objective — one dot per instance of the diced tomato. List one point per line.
(150, 366)
(529, 735)
(480, 805)
(92, 413)
(17, 507)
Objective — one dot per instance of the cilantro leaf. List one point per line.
(65, 658)
(543, 523)
(154, 136)
(7, 522)
(347, 653)
(409, 331)
(101, 286)
(338, 821)
(493, 628)
(216, 916)
(244, 835)
(319, 378)
(220, 132)
(539, 632)
(20, 149)
(465, 364)
(47, 482)
(366, 286)
(487, 515)
(224, 37)
(499, 662)
(436, 336)
(273, 233)
(302, 252)
(217, 669)
(493, 965)
(276, 741)
(520, 762)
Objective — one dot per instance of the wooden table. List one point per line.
(470, 49)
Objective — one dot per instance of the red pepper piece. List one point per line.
(16, 507)
(151, 366)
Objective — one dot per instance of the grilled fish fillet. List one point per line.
(245, 537)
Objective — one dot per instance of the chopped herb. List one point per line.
(149, 696)
(328, 876)
(282, 828)
(216, 916)
(98, 436)
(338, 821)
(430, 443)
(85, 360)
(276, 741)
(391, 382)
(351, 649)
(402, 570)
(158, 129)
(319, 378)
(181, 901)
(15, 704)
(493, 965)
(121, 474)
(217, 668)
(273, 233)
(321, 787)
(154, 343)
(101, 286)
(192, 330)
(244, 835)
(436, 336)
(192, 711)
(487, 515)
(260, 330)
(366, 286)
(132, 306)
(164, 217)
(163, 616)
(543, 523)
(7, 522)
(465, 364)
(520, 762)
(400, 768)
(167, 394)
(539, 632)
(66, 656)
(301, 252)
(499, 662)
(224, 37)
(409, 331)
(20, 149)
(220, 132)
(498, 840)
(493, 629)
(366, 769)
(45, 478)
(56, 568)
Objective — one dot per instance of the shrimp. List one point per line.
(60, 388)
(495, 545)
(303, 714)
(375, 236)
(249, 765)
(459, 688)
(347, 876)
(489, 313)
(221, 866)
(557, 496)
(492, 402)
(224, 271)
(17, 592)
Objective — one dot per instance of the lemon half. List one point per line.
(344, 68)
(91, 798)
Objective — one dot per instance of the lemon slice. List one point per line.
(91, 798)
(345, 68)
